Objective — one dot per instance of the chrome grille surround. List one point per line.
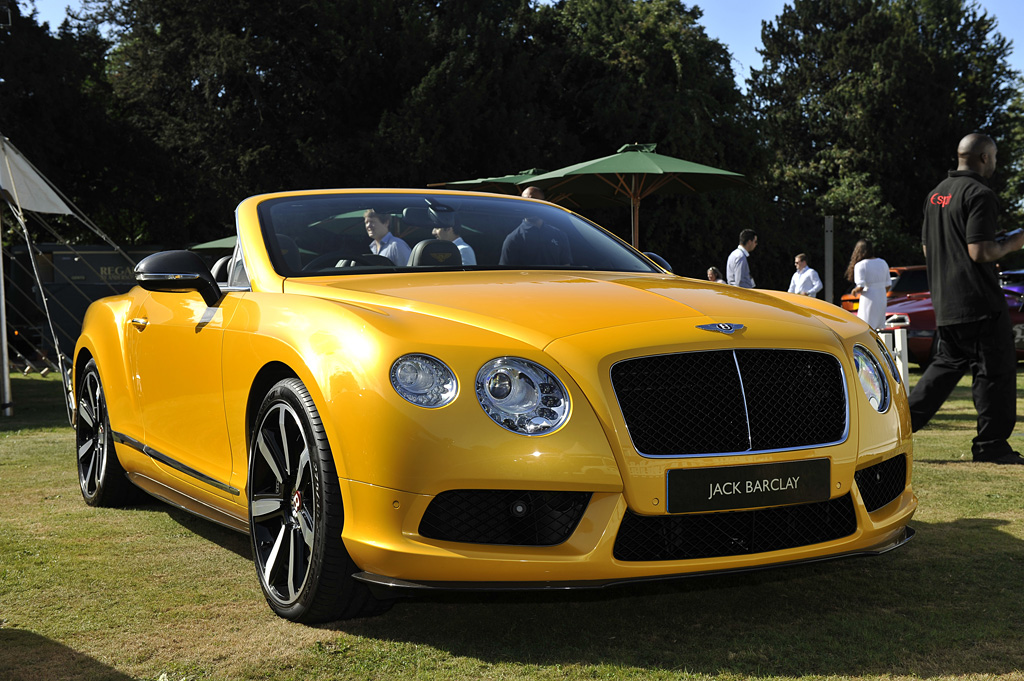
(731, 402)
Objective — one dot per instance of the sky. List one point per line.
(736, 23)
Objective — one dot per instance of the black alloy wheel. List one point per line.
(295, 514)
(100, 476)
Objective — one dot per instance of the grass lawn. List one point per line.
(153, 593)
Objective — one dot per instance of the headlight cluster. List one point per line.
(872, 378)
(424, 380)
(519, 395)
(522, 396)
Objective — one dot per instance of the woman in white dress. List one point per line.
(871, 279)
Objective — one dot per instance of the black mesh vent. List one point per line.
(883, 482)
(512, 517)
(731, 401)
(733, 533)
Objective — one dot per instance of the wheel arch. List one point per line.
(265, 379)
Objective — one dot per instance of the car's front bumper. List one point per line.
(383, 537)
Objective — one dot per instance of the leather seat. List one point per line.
(435, 253)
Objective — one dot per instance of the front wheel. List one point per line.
(295, 515)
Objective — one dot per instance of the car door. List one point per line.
(176, 358)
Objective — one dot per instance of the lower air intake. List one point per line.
(733, 533)
(510, 517)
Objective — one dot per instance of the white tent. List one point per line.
(23, 186)
(28, 192)
(24, 189)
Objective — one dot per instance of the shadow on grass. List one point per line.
(236, 542)
(37, 402)
(947, 603)
(25, 655)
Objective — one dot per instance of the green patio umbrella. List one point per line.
(629, 176)
(227, 242)
(503, 184)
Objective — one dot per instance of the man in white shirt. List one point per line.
(737, 271)
(805, 281)
(451, 233)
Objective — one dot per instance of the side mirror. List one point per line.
(660, 260)
(173, 271)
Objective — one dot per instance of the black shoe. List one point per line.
(1013, 458)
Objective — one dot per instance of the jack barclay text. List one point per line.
(750, 486)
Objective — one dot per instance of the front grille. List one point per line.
(733, 533)
(511, 517)
(729, 401)
(883, 482)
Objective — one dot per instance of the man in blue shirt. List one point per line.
(378, 228)
(737, 271)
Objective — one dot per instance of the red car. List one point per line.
(919, 320)
(906, 280)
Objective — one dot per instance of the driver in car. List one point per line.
(378, 228)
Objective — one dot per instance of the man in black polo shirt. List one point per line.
(971, 314)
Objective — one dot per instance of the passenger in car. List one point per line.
(451, 233)
(378, 228)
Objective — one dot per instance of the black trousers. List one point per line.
(987, 349)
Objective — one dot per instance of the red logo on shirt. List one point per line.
(940, 200)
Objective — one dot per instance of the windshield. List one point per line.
(911, 281)
(330, 234)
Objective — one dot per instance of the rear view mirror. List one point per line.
(659, 260)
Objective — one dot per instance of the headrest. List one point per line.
(435, 253)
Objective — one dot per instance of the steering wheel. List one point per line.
(341, 258)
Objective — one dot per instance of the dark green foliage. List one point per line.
(158, 124)
(56, 106)
(864, 101)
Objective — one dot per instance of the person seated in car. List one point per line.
(450, 232)
(378, 228)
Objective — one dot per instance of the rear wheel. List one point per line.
(100, 476)
(295, 515)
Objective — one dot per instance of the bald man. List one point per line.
(961, 245)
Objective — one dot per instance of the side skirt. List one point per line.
(178, 498)
(183, 501)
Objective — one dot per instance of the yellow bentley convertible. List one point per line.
(394, 390)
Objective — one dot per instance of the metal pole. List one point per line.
(828, 258)
(8, 409)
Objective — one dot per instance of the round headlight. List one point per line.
(887, 355)
(424, 380)
(522, 396)
(872, 380)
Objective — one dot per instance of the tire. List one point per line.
(296, 516)
(100, 476)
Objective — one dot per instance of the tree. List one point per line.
(646, 71)
(54, 104)
(862, 103)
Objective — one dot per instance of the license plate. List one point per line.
(764, 484)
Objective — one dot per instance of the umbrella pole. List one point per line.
(634, 200)
(636, 223)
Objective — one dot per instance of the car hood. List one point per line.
(917, 302)
(539, 307)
